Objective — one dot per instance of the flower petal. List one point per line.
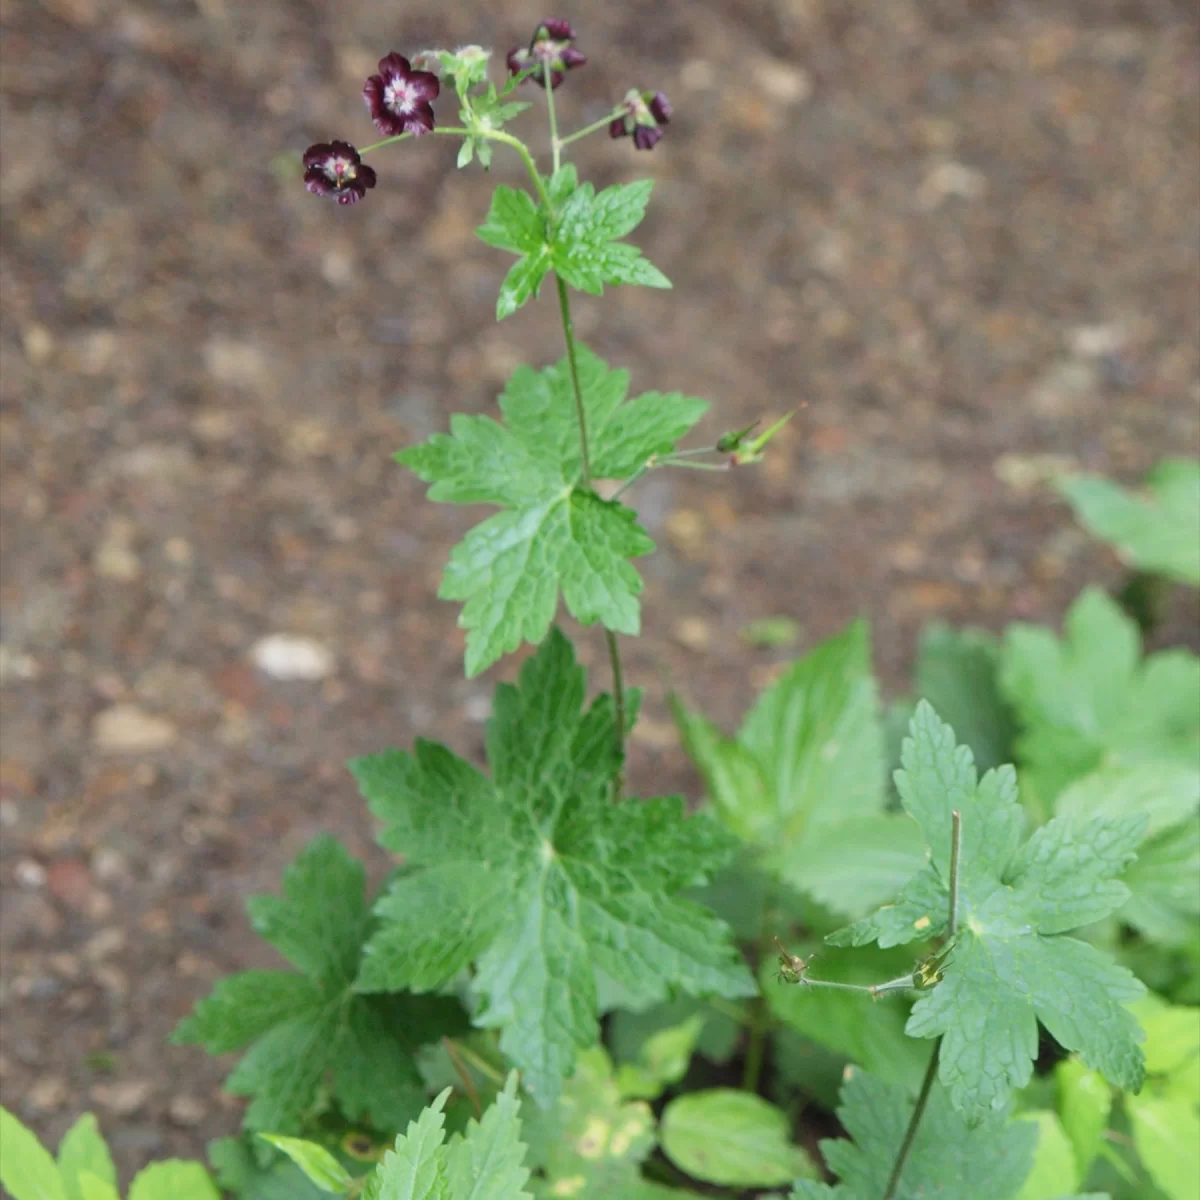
(394, 67)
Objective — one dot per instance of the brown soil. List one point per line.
(959, 234)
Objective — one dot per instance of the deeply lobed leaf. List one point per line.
(949, 1158)
(1009, 965)
(307, 1030)
(554, 535)
(561, 883)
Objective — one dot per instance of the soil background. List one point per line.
(961, 233)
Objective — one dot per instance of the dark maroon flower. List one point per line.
(335, 169)
(644, 113)
(399, 99)
(550, 53)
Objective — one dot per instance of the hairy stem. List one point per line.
(915, 1120)
(555, 144)
(603, 123)
(585, 472)
(492, 135)
(931, 1071)
(564, 308)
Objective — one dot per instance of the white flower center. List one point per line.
(398, 97)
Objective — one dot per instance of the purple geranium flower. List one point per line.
(399, 99)
(335, 169)
(550, 53)
(644, 113)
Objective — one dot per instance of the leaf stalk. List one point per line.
(931, 1071)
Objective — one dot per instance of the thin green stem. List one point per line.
(760, 1014)
(931, 1071)
(603, 123)
(692, 466)
(585, 474)
(564, 308)
(955, 855)
(555, 144)
(914, 1121)
(492, 135)
(631, 480)
(614, 661)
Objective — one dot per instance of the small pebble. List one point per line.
(123, 1098)
(127, 729)
(186, 1110)
(290, 657)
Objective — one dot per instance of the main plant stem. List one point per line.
(918, 1111)
(585, 472)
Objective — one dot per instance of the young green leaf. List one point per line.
(488, 1163)
(311, 1026)
(553, 534)
(949, 1159)
(83, 1148)
(515, 223)
(802, 782)
(485, 1164)
(27, 1168)
(586, 253)
(1054, 1172)
(1166, 1132)
(1084, 1105)
(1159, 532)
(538, 879)
(590, 1144)
(732, 1138)
(416, 1168)
(1010, 964)
(662, 1060)
(1087, 700)
(315, 1161)
(1164, 883)
(1165, 1118)
(173, 1179)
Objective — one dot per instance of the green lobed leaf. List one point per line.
(1088, 701)
(415, 1169)
(554, 535)
(949, 1158)
(27, 1168)
(487, 1164)
(83, 1148)
(1010, 964)
(1157, 532)
(304, 1030)
(515, 224)
(315, 1161)
(585, 252)
(173, 1179)
(731, 1138)
(803, 785)
(582, 885)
